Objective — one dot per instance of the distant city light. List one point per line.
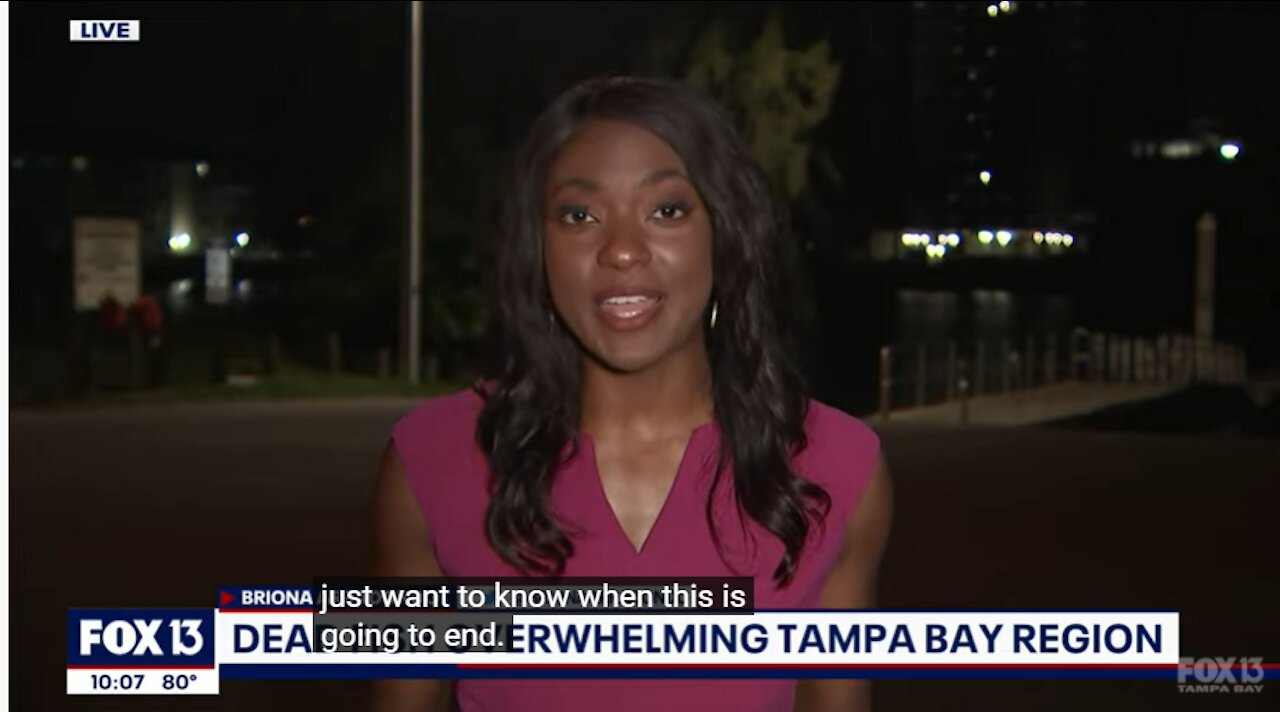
(242, 239)
(985, 177)
(1055, 239)
(935, 252)
(178, 243)
(305, 220)
(1006, 6)
(992, 11)
(1038, 237)
(79, 164)
(950, 239)
(202, 168)
(986, 236)
(1004, 237)
(1180, 149)
(1229, 151)
(916, 239)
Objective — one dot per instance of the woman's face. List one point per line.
(627, 246)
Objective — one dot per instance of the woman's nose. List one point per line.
(624, 246)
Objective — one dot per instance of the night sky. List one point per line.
(322, 85)
(295, 77)
(209, 77)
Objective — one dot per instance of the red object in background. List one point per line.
(147, 314)
(111, 315)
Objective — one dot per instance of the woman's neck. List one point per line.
(673, 396)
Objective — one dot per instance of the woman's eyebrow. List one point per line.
(582, 183)
(591, 186)
(662, 174)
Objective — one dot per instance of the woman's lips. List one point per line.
(624, 312)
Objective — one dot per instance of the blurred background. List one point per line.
(1038, 248)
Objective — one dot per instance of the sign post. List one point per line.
(217, 276)
(107, 261)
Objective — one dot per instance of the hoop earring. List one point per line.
(714, 309)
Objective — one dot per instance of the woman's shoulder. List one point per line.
(446, 420)
(830, 428)
(841, 453)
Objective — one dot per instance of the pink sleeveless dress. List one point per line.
(449, 478)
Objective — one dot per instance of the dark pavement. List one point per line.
(157, 505)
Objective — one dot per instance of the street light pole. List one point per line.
(411, 310)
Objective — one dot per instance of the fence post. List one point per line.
(1198, 365)
(1177, 358)
(1154, 345)
(1029, 380)
(1189, 345)
(1153, 352)
(1130, 351)
(1162, 358)
(1157, 361)
(1097, 358)
(384, 362)
(1186, 367)
(1081, 352)
(886, 383)
(1005, 365)
(1051, 360)
(1115, 358)
(1126, 359)
(1140, 360)
(335, 353)
(137, 360)
(1206, 354)
(980, 368)
(922, 374)
(275, 353)
(1073, 356)
(951, 370)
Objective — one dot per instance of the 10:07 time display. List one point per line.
(116, 682)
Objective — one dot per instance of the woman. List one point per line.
(646, 420)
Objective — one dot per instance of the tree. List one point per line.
(778, 96)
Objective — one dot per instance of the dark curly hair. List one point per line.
(531, 403)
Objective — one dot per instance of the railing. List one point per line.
(921, 374)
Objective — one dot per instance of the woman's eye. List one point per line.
(670, 211)
(575, 216)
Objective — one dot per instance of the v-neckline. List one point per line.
(593, 469)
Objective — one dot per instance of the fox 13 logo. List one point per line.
(1210, 675)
